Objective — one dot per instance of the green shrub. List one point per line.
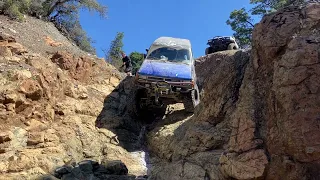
(15, 8)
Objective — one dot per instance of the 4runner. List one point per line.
(167, 75)
(221, 43)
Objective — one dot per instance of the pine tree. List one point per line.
(113, 55)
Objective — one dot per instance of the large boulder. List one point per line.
(287, 77)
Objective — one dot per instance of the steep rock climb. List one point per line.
(196, 143)
(287, 74)
(259, 115)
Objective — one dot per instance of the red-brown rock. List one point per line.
(31, 89)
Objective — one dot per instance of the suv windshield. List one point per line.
(170, 54)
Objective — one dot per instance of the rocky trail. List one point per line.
(67, 116)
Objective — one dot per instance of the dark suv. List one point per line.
(221, 43)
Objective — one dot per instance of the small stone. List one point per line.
(10, 107)
(32, 89)
(87, 166)
(48, 177)
(83, 96)
(11, 97)
(14, 59)
(4, 148)
(34, 124)
(21, 74)
(12, 30)
(114, 95)
(114, 81)
(49, 112)
(17, 48)
(116, 167)
(3, 167)
(59, 172)
(310, 150)
(37, 114)
(5, 51)
(76, 172)
(35, 138)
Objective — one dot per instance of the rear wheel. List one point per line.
(191, 100)
(232, 46)
(209, 50)
(139, 106)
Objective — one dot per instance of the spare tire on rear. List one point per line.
(191, 100)
(232, 46)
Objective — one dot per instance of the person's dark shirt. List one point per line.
(127, 61)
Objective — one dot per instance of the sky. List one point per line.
(143, 21)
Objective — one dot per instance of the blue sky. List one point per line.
(144, 21)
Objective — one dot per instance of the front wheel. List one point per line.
(191, 100)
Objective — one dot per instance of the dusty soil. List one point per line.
(38, 36)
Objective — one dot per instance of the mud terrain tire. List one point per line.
(232, 46)
(138, 110)
(191, 100)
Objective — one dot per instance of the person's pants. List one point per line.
(128, 69)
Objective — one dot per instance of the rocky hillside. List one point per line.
(38, 36)
(49, 104)
(73, 117)
(259, 115)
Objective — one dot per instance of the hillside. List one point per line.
(50, 99)
(38, 36)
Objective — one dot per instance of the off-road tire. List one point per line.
(232, 46)
(138, 110)
(191, 100)
(209, 50)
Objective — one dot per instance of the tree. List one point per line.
(113, 55)
(15, 8)
(55, 8)
(242, 23)
(137, 59)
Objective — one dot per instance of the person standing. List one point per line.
(127, 63)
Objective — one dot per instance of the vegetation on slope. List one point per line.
(241, 20)
(63, 13)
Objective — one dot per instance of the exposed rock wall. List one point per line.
(48, 112)
(287, 76)
(259, 115)
(193, 146)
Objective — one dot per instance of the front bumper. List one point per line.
(165, 87)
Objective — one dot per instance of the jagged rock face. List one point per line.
(286, 56)
(48, 112)
(259, 117)
(195, 144)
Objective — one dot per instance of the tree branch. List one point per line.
(249, 23)
(55, 5)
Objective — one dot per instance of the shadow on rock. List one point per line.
(120, 116)
(92, 170)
